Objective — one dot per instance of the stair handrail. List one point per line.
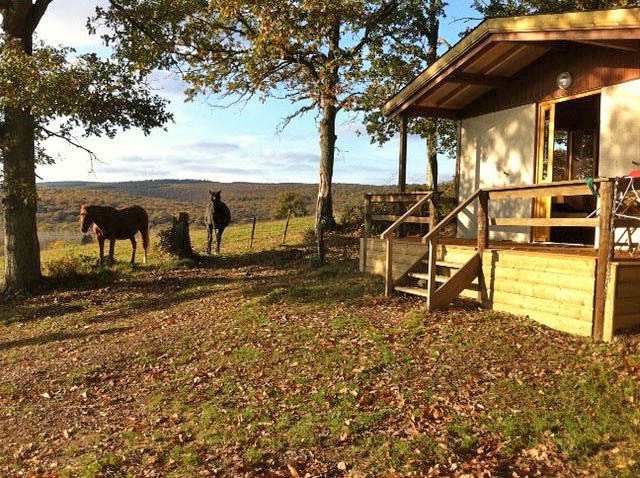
(391, 229)
(452, 215)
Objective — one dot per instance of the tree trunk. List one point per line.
(432, 155)
(432, 33)
(327, 129)
(21, 247)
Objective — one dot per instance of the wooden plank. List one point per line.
(564, 324)
(605, 241)
(625, 223)
(626, 321)
(394, 218)
(627, 289)
(572, 283)
(492, 81)
(365, 233)
(460, 281)
(610, 305)
(483, 221)
(630, 274)
(538, 222)
(388, 280)
(411, 196)
(431, 112)
(534, 304)
(431, 268)
(629, 305)
(544, 291)
(540, 191)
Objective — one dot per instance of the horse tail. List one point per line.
(144, 232)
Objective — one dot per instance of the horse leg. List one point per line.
(101, 247)
(133, 250)
(218, 239)
(145, 243)
(112, 247)
(209, 239)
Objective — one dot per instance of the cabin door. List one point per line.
(568, 144)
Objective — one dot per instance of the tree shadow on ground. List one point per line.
(277, 259)
(23, 313)
(59, 337)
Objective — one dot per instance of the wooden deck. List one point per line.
(554, 284)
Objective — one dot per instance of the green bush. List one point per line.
(352, 215)
(68, 266)
(289, 201)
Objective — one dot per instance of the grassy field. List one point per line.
(263, 364)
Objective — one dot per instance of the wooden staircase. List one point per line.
(450, 280)
(438, 280)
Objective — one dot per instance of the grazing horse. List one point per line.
(112, 224)
(217, 217)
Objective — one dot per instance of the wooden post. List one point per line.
(388, 281)
(605, 250)
(402, 156)
(433, 212)
(366, 231)
(253, 232)
(483, 221)
(431, 284)
(286, 228)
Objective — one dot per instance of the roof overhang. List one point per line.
(498, 49)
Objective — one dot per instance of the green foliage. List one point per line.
(352, 215)
(289, 201)
(506, 8)
(83, 93)
(69, 266)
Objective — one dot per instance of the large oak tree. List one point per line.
(315, 54)
(45, 92)
(415, 48)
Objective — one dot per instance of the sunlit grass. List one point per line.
(236, 238)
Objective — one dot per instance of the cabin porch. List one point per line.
(587, 289)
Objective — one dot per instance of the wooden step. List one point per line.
(425, 276)
(451, 265)
(440, 279)
(413, 291)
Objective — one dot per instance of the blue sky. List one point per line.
(236, 144)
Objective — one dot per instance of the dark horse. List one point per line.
(112, 224)
(217, 217)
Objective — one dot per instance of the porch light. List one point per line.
(564, 80)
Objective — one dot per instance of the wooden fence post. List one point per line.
(286, 228)
(431, 283)
(605, 250)
(483, 221)
(365, 233)
(253, 231)
(388, 281)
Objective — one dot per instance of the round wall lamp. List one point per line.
(564, 80)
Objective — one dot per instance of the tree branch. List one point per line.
(93, 157)
(38, 9)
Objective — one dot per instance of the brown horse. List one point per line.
(112, 224)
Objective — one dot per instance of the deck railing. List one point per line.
(605, 220)
(395, 203)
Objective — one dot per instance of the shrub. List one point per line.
(69, 266)
(352, 215)
(289, 201)
(309, 237)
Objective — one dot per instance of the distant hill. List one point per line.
(60, 201)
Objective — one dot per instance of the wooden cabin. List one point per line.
(548, 115)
